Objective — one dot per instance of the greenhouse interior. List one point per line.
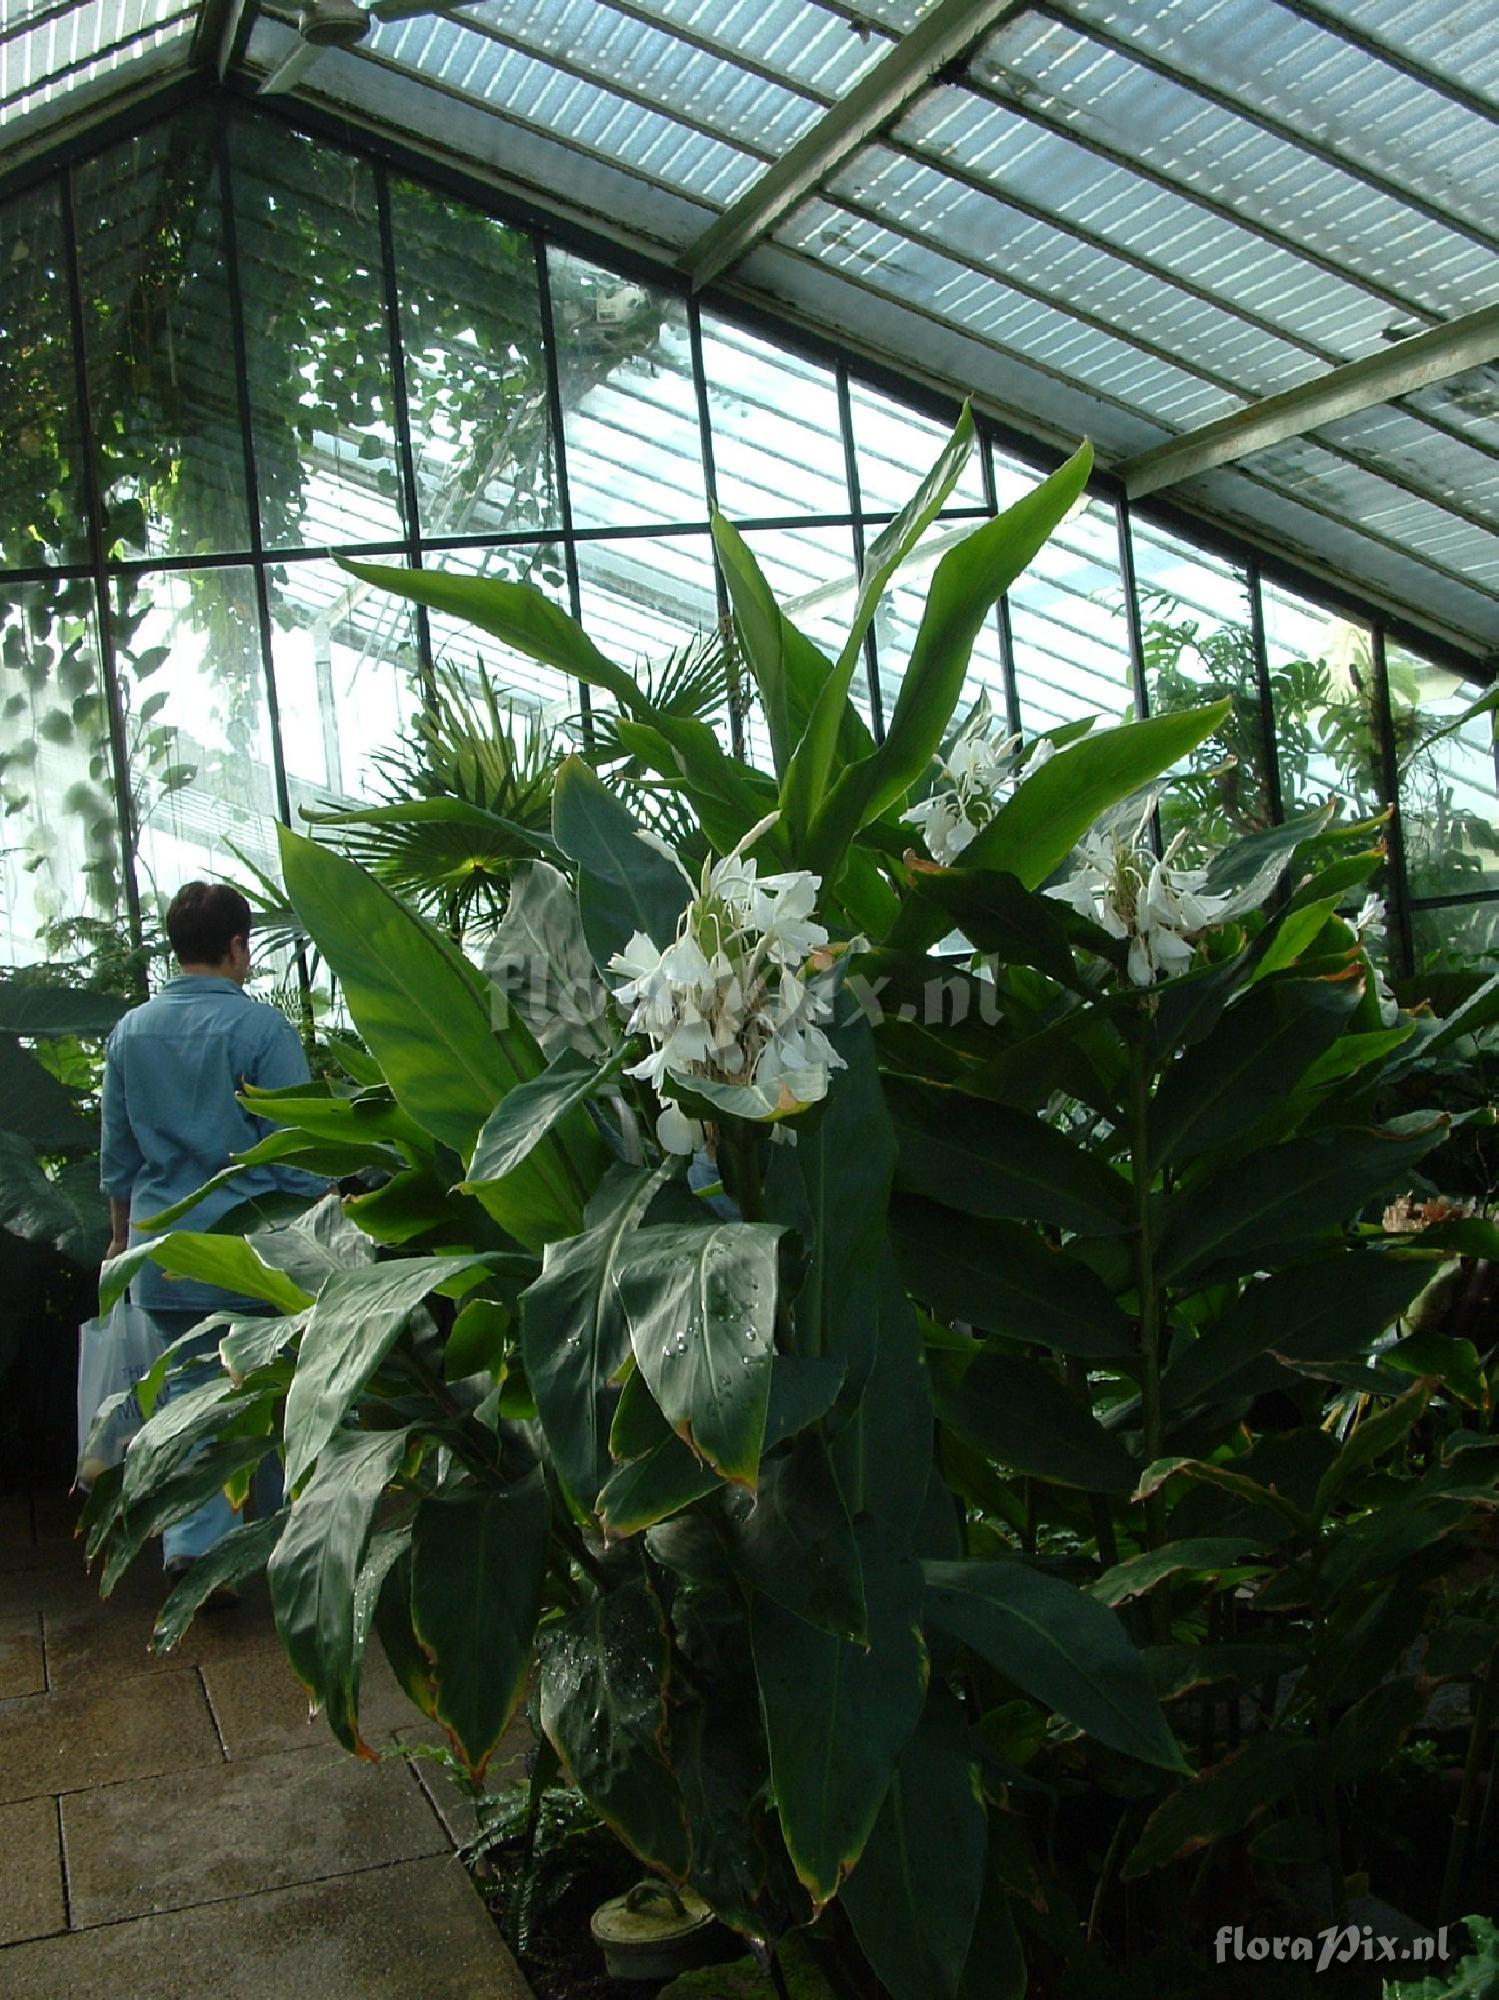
(749, 946)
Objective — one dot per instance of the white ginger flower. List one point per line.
(976, 777)
(1160, 908)
(676, 1132)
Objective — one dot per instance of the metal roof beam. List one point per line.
(1416, 363)
(223, 30)
(943, 37)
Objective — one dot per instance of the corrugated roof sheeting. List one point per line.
(1128, 218)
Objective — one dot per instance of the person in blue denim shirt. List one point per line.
(171, 1121)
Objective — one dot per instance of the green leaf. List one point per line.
(966, 584)
(1322, 1311)
(1261, 1046)
(983, 1159)
(172, 1432)
(1036, 829)
(812, 761)
(370, 1116)
(625, 884)
(37, 1108)
(315, 1566)
(883, 1452)
(478, 1341)
(518, 613)
(603, 1707)
(914, 1896)
(574, 1335)
(837, 1716)
(700, 1303)
(1207, 1472)
(523, 1119)
(1200, 1555)
(227, 1261)
(1017, 1411)
(1012, 923)
(356, 1320)
(39, 1009)
(539, 963)
(1057, 1645)
(1223, 1800)
(794, 1541)
(478, 1565)
(1279, 1202)
(240, 1554)
(67, 1212)
(1005, 1278)
(426, 1015)
(1369, 1439)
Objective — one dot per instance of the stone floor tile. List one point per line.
(261, 1707)
(205, 1835)
(62, 1742)
(415, 1931)
(31, 1893)
(22, 1667)
(94, 1645)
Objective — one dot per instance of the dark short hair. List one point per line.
(203, 918)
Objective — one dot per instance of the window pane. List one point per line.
(1457, 937)
(316, 341)
(624, 364)
(1198, 644)
(899, 618)
(160, 345)
(1067, 615)
(896, 448)
(476, 373)
(1323, 694)
(346, 681)
(650, 604)
(187, 649)
(1448, 789)
(520, 682)
(60, 848)
(777, 439)
(43, 513)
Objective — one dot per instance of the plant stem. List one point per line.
(1326, 1782)
(1103, 1520)
(1484, 1709)
(1149, 1299)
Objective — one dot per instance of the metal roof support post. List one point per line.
(944, 37)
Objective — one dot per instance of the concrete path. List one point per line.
(176, 1829)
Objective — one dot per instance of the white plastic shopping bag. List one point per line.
(114, 1352)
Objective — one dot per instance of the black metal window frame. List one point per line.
(386, 157)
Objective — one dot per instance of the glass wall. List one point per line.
(230, 352)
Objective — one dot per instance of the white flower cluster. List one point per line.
(976, 777)
(728, 1005)
(1130, 893)
(1370, 923)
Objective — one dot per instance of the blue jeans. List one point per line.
(195, 1534)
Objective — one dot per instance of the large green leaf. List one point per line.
(914, 1896)
(518, 613)
(181, 1493)
(242, 1553)
(1223, 1800)
(1374, 1434)
(173, 1431)
(227, 1261)
(538, 961)
(316, 1564)
(67, 1211)
(625, 884)
(353, 1325)
(426, 1014)
(519, 1123)
(574, 1335)
(37, 1108)
(700, 1303)
(966, 584)
(1264, 1209)
(1060, 1646)
(883, 1451)
(795, 1543)
(1006, 1279)
(1223, 1084)
(986, 1160)
(478, 1564)
(813, 758)
(837, 1716)
(1017, 1412)
(40, 1009)
(1195, 1555)
(368, 1116)
(1321, 1311)
(603, 1707)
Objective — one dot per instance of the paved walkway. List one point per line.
(176, 1829)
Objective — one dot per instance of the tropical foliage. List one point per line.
(908, 1363)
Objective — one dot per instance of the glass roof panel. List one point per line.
(55, 54)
